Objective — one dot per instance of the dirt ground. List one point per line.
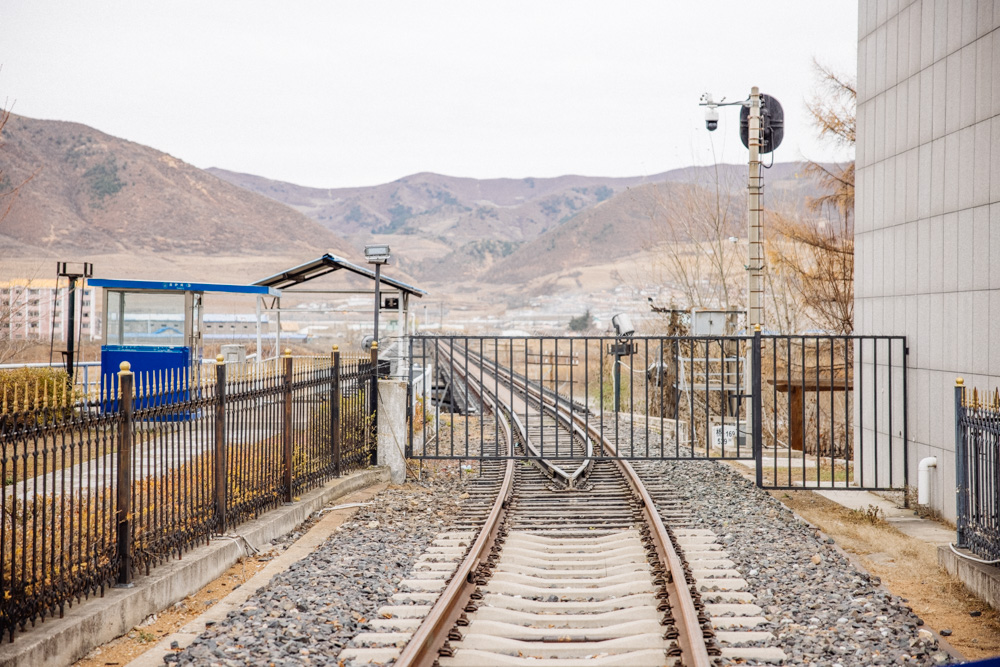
(907, 567)
(144, 636)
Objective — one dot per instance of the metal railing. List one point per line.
(654, 397)
(100, 490)
(833, 412)
(977, 471)
(813, 411)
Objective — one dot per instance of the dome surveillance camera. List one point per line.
(711, 119)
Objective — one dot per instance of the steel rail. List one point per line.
(422, 649)
(587, 463)
(691, 636)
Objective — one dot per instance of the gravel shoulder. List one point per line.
(820, 607)
(308, 613)
(907, 567)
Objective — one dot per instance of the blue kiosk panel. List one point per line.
(149, 364)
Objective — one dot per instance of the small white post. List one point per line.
(392, 430)
(259, 323)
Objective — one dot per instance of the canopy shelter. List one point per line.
(157, 325)
(395, 293)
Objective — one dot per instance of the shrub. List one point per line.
(34, 395)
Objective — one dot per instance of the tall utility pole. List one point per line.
(761, 120)
(755, 248)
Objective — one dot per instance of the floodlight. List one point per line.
(377, 253)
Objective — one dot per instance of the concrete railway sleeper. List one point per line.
(567, 569)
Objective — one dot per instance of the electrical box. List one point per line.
(234, 354)
(706, 322)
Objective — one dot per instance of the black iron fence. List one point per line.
(816, 411)
(98, 490)
(662, 398)
(977, 471)
(833, 412)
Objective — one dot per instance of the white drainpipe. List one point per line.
(924, 479)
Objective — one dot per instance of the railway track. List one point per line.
(571, 564)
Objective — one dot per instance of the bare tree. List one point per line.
(818, 257)
(16, 295)
(13, 328)
(693, 237)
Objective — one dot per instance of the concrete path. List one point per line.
(151, 459)
(904, 520)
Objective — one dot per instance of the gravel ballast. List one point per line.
(308, 613)
(820, 607)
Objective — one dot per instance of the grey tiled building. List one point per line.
(927, 237)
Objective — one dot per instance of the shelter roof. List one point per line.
(181, 286)
(328, 264)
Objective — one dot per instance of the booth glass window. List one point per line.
(113, 316)
(151, 319)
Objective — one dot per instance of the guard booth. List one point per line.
(157, 327)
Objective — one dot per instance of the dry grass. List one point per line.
(141, 638)
(908, 567)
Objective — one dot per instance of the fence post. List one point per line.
(286, 425)
(961, 468)
(335, 411)
(757, 405)
(220, 442)
(373, 402)
(123, 512)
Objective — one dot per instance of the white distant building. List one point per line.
(37, 309)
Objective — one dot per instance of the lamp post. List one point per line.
(66, 270)
(377, 254)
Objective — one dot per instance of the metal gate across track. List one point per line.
(800, 411)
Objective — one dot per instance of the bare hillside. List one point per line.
(90, 192)
(506, 230)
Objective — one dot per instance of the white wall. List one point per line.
(927, 237)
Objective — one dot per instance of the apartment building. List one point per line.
(39, 310)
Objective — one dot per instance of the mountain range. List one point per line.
(83, 191)
(86, 193)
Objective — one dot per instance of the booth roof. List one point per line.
(328, 264)
(181, 286)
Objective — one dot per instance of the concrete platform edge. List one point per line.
(61, 641)
(983, 580)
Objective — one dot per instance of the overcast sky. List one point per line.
(333, 94)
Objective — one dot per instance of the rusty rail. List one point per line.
(422, 649)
